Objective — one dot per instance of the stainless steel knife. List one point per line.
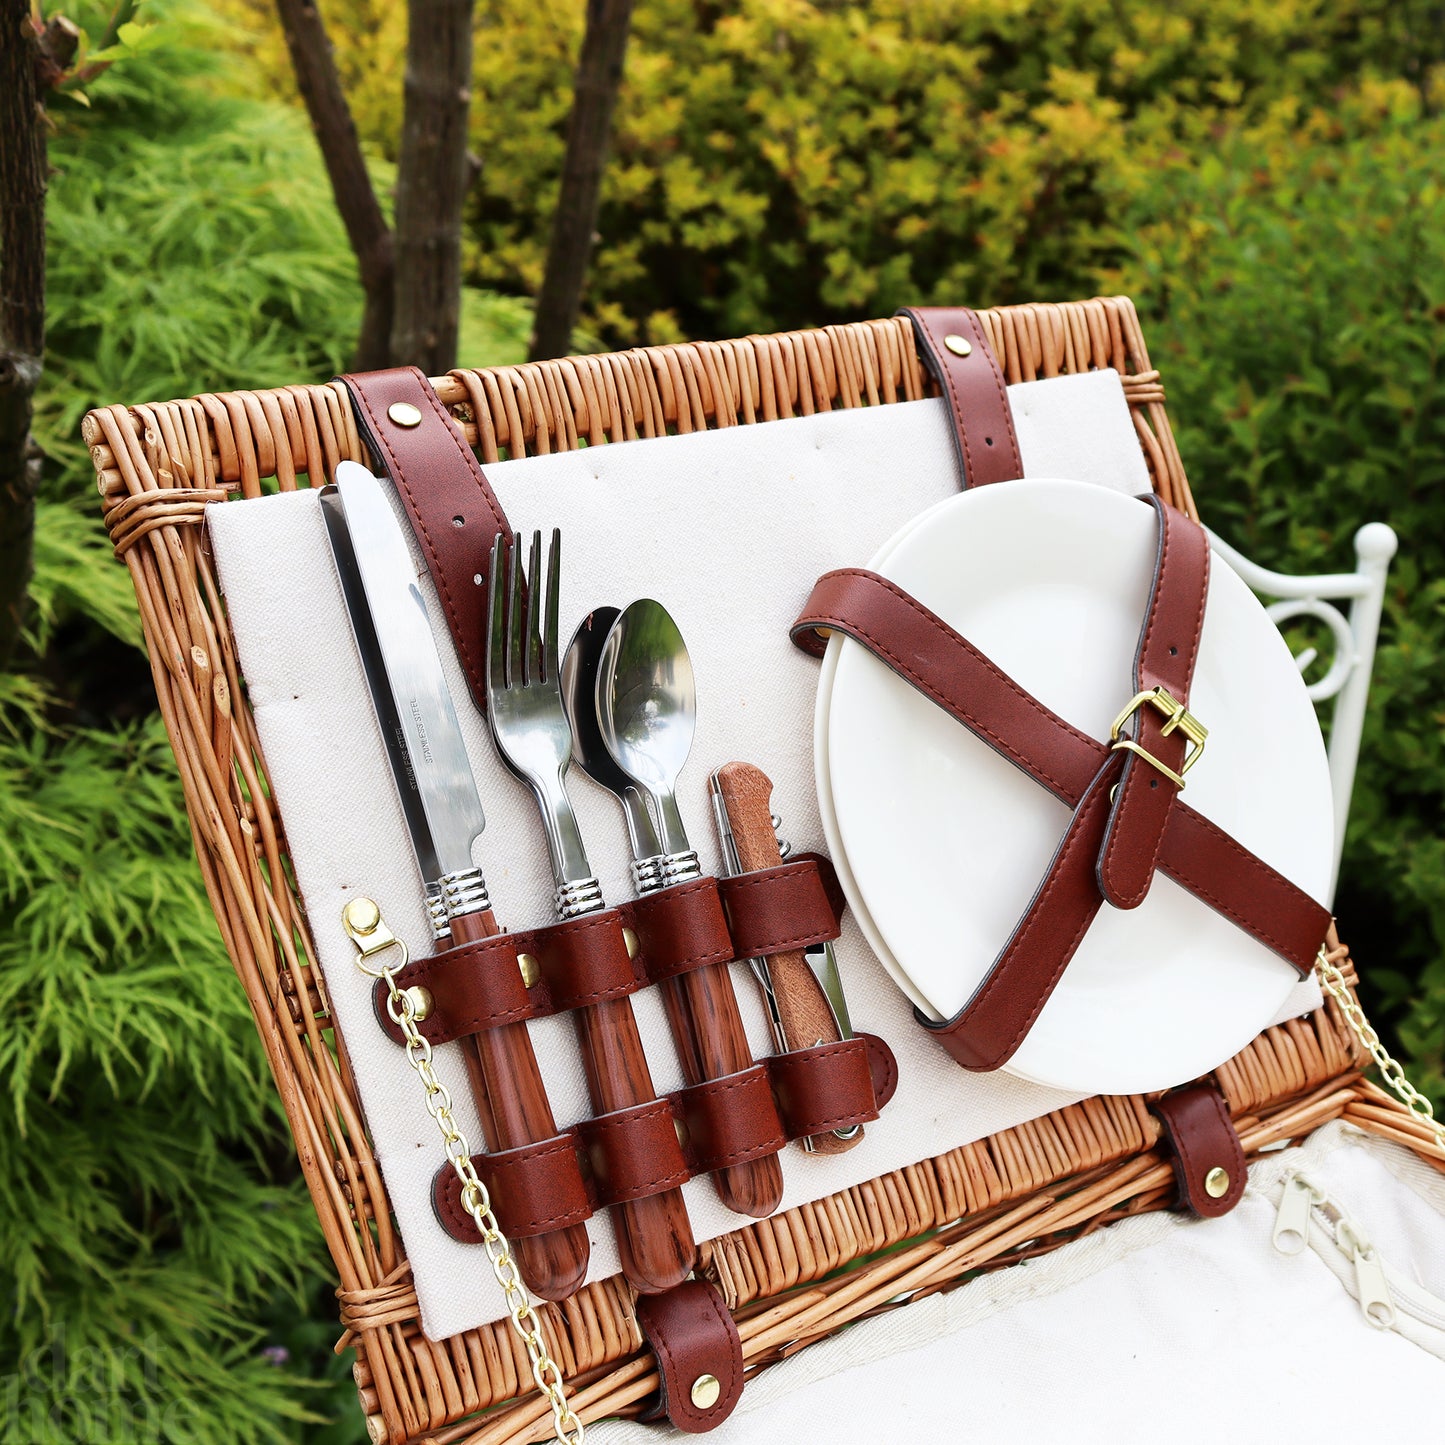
(438, 793)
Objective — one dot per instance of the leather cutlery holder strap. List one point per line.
(657, 1146)
(483, 984)
(452, 507)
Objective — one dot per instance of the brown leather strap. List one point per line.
(1167, 651)
(774, 909)
(946, 668)
(827, 1087)
(728, 1121)
(452, 508)
(699, 1355)
(722, 1122)
(954, 348)
(1208, 1157)
(478, 985)
(634, 1153)
(679, 929)
(534, 1189)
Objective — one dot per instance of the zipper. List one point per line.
(1308, 1217)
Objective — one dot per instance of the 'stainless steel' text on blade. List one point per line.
(425, 739)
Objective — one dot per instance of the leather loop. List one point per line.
(728, 1121)
(829, 1086)
(1165, 658)
(453, 510)
(776, 909)
(634, 1153)
(474, 986)
(479, 985)
(679, 929)
(882, 1069)
(1208, 1157)
(695, 1340)
(972, 384)
(533, 1189)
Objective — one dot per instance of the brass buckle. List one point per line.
(1176, 715)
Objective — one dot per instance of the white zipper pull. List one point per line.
(1292, 1224)
(1376, 1303)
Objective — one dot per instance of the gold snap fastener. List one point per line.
(403, 413)
(361, 916)
(706, 1392)
(422, 1002)
(531, 971)
(958, 345)
(630, 939)
(1216, 1183)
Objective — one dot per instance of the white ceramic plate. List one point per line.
(940, 843)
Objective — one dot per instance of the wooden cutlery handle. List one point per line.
(513, 1105)
(747, 793)
(711, 1043)
(654, 1235)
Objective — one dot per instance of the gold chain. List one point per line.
(362, 921)
(1332, 980)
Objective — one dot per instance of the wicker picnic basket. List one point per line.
(1005, 1198)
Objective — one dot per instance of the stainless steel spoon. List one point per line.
(642, 708)
(646, 705)
(589, 752)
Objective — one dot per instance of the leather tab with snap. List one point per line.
(699, 1355)
(1208, 1157)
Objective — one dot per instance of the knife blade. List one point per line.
(443, 811)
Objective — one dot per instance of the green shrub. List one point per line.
(160, 1252)
(1293, 286)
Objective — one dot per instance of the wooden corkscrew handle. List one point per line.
(807, 1018)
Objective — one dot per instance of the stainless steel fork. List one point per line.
(530, 729)
(524, 707)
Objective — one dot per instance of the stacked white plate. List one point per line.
(940, 843)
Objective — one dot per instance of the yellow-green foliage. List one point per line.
(778, 162)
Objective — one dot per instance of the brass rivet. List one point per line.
(1216, 1183)
(361, 916)
(531, 971)
(403, 413)
(706, 1392)
(422, 1002)
(680, 1129)
(630, 939)
(958, 345)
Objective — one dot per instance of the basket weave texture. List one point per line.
(989, 1204)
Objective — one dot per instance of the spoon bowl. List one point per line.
(646, 704)
(589, 752)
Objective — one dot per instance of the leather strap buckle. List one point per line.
(1176, 715)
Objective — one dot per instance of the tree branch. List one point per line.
(599, 77)
(431, 184)
(23, 172)
(320, 85)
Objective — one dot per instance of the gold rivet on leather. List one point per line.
(706, 1392)
(422, 1002)
(630, 939)
(958, 345)
(361, 916)
(403, 413)
(531, 969)
(1216, 1183)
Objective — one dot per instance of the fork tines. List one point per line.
(524, 634)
